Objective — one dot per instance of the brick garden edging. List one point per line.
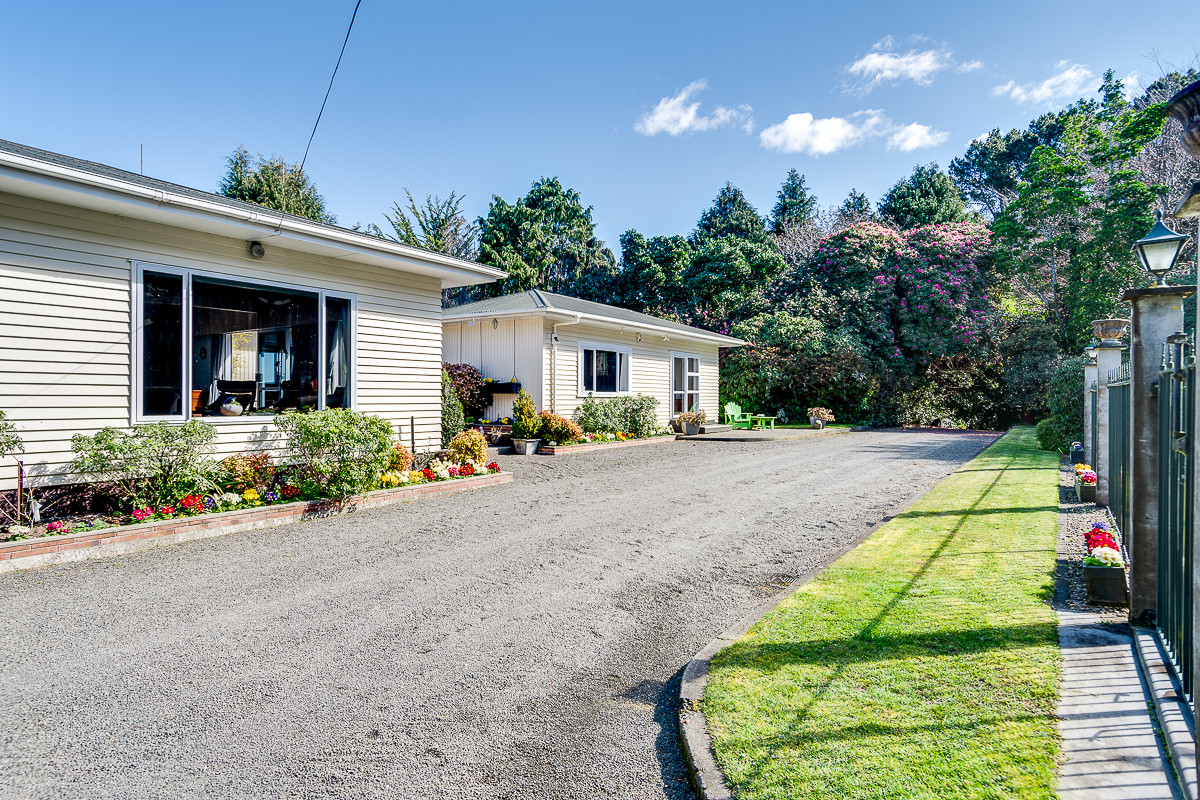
(561, 450)
(46, 550)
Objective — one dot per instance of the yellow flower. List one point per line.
(250, 494)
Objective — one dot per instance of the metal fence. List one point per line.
(1176, 382)
(1118, 447)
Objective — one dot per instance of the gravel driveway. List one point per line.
(522, 641)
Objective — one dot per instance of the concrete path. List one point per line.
(1109, 747)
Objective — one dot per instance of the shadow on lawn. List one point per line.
(865, 645)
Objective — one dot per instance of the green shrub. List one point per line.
(400, 459)
(556, 428)
(10, 441)
(1066, 399)
(525, 421)
(1051, 436)
(452, 411)
(632, 414)
(248, 471)
(153, 464)
(468, 446)
(341, 451)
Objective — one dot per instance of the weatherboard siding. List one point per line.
(650, 366)
(508, 349)
(65, 346)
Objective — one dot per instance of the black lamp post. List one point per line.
(1159, 248)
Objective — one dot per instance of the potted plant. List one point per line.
(1104, 568)
(688, 422)
(1085, 483)
(819, 416)
(526, 425)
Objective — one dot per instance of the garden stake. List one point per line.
(412, 434)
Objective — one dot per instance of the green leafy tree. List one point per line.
(794, 206)
(547, 240)
(437, 224)
(730, 217)
(989, 172)
(855, 208)
(273, 183)
(926, 197)
(652, 270)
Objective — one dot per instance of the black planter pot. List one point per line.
(1106, 586)
(1086, 492)
(508, 387)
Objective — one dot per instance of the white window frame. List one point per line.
(671, 379)
(617, 348)
(137, 323)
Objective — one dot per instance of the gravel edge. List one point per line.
(694, 738)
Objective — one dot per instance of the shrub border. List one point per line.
(46, 550)
(565, 449)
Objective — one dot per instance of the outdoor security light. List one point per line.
(1159, 248)
(1091, 350)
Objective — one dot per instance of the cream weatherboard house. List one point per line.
(125, 299)
(561, 349)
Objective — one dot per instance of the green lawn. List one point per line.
(923, 664)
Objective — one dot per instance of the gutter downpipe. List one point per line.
(554, 356)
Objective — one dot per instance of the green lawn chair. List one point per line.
(735, 417)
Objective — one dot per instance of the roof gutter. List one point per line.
(703, 336)
(271, 223)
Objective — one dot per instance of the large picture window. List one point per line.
(603, 370)
(210, 346)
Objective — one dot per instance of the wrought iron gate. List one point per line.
(1176, 382)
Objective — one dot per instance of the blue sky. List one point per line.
(646, 109)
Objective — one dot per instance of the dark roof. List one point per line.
(538, 300)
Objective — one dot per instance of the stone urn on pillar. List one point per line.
(1109, 331)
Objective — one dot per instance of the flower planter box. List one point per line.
(507, 387)
(45, 550)
(1077, 457)
(566, 449)
(1086, 492)
(1106, 586)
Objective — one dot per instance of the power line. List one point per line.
(320, 113)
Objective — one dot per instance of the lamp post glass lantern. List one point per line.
(1091, 351)
(1159, 248)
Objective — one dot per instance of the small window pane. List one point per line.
(693, 365)
(606, 371)
(677, 376)
(693, 383)
(624, 372)
(589, 378)
(162, 343)
(337, 351)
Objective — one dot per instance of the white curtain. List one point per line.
(339, 358)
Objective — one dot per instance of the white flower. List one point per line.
(1107, 555)
(18, 529)
(230, 499)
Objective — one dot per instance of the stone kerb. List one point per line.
(46, 550)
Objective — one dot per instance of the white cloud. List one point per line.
(885, 64)
(914, 136)
(804, 133)
(1132, 84)
(679, 114)
(1069, 82)
(882, 65)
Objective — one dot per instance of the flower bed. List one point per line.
(596, 441)
(107, 539)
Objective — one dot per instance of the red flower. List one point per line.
(291, 491)
(428, 473)
(493, 467)
(466, 471)
(167, 511)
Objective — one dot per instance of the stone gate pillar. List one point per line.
(1108, 358)
(1157, 313)
(1089, 380)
